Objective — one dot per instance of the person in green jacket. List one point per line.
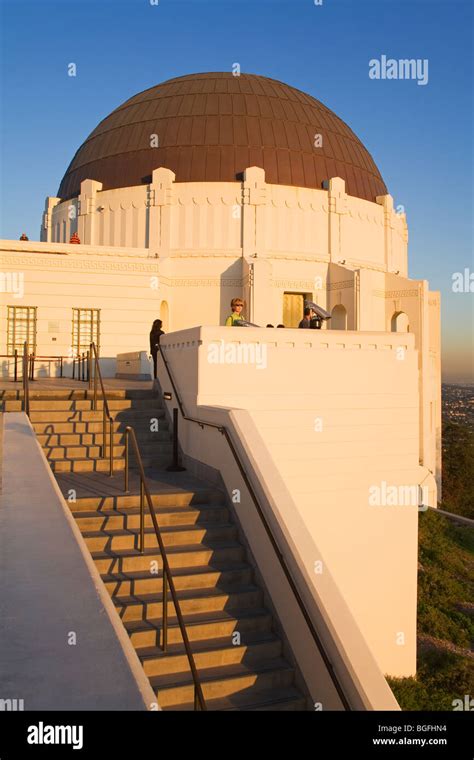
(237, 306)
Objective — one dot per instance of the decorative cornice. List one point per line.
(208, 253)
(202, 282)
(341, 285)
(40, 248)
(68, 263)
(395, 293)
(304, 284)
(298, 256)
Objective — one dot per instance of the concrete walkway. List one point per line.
(62, 644)
(94, 484)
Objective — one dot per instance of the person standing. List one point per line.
(306, 321)
(155, 334)
(237, 306)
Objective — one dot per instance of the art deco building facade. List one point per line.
(212, 186)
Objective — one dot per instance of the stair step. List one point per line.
(200, 625)
(211, 653)
(128, 415)
(182, 556)
(275, 700)
(69, 393)
(96, 439)
(198, 577)
(57, 405)
(150, 606)
(159, 461)
(106, 540)
(95, 452)
(108, 520)
(178, 688)
(178, 499)
(95, 426)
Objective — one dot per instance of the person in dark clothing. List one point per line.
(155, 334)
(306, 321)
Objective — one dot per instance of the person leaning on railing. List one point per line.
(237, 306)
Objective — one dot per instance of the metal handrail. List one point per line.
(93, 359)
(47, 358)
(223, 430)
(15, 357)
(199, 701)
(26, 387)
(83, 364)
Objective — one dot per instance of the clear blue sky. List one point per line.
(420, 136)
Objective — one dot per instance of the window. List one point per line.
(85, 329)
(21, 322)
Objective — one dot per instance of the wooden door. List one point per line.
(293, 306)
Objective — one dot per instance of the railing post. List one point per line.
(111, 440)
(15, 376)
(95, 388)
(164, 643)
(175, 466)
(60, 366)
(126, 461)
(32, 367)
(89, 367)
(142, 516)
(26, 394)
(91, 355)
(104, 433)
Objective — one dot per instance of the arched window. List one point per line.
(164, 316)
(339, 318)
(399, 322)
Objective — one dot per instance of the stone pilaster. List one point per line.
(160, 199)
(46, 235)
(254, 198)
(87, 211)
(394, 262)
(337, 204)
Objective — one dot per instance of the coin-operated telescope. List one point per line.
(244, 323)
(319, 314)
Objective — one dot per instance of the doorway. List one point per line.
(293, 307)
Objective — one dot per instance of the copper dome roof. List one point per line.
(212, 126)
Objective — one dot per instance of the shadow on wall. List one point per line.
(51, 368)
(338, 318)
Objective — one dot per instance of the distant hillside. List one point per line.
(445, 617)
(458, 469)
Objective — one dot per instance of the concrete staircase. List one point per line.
(217, 592)
(70, 432)
(238, 651)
